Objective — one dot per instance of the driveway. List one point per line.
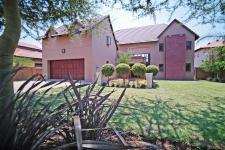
(17, 85)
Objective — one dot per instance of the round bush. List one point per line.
(107, 70)
(138, 69)
(152, 69)
(123, 70)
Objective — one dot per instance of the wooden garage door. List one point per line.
(59, 69)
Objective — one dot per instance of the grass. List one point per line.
(23, 61)
(189, 111)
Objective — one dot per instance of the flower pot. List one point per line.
(149, 79)
(99, 78)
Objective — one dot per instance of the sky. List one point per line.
(122, 19)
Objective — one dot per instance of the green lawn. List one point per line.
(189, 111)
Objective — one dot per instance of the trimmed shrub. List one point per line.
(107, 70)
(152, 69)
(138, 69)
(123, 70)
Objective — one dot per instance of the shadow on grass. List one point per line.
(202, 125)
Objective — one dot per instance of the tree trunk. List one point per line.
(8, 42)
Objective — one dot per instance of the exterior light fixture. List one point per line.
(63, 50)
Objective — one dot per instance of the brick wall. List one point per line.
(26, 73)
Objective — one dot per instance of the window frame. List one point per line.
(161, 67)
(108, 40)
(161, 47)
(189, 47)
(186, 66)
(147, 57)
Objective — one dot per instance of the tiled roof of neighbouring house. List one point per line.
(212, 45)
(149, 33)
(28, 50)
(139, 34)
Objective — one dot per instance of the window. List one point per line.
(188, 67)
(161, 47)
(188, 45)
(146, 56)
(38, 64)
(108, 40)
(161, 68)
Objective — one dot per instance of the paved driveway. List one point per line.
(17, 84)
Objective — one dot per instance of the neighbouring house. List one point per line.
(170, 47)
(29, 54)
(79, 49)
(201, 54)
(29, 57)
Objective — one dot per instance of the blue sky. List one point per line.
(123, 19)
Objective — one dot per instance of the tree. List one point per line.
(32, 17)
(123, 70)
(138, 70)
(152, 69)
(215, 63)
(107, 70)
(124, 57)
(206, 11)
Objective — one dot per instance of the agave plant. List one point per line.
(30, 120)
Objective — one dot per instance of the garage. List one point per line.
(59, 69)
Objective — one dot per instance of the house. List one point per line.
(28, 52)
(79, 49)
(201, 54)
(28, 56)
(170, 47)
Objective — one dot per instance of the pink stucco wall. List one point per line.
(76, 48)
(102, 52)
(159, 57)
(175, 57)
(91, 46)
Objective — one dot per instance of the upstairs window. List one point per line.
(188, 45)
(161, 68)
(108, 40)
(161, 47)
(188, 67)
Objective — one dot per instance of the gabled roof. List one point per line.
(139, 34)
(212, 45)
(181, 24)
(29, 46)
(142, 34)
(85, 26)
(28, 50)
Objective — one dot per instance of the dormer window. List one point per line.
(108, 40)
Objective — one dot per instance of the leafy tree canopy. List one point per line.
(38, 15)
